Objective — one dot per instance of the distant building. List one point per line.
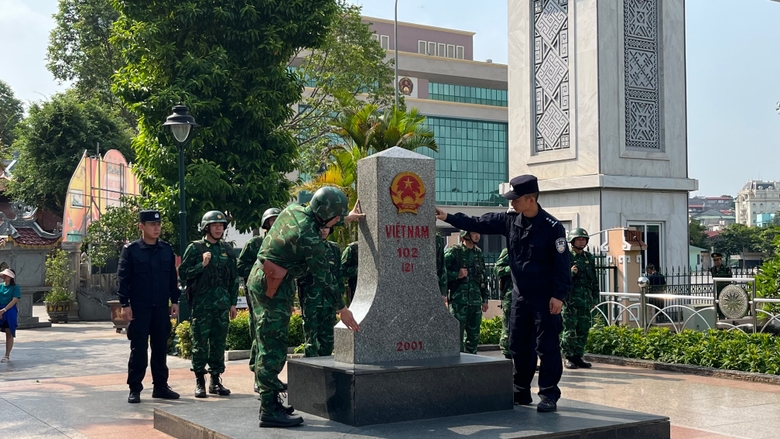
(701, 204)
(715, 220)
(757, 198)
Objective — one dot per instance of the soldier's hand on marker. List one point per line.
(233, 312)
(127, 313)
(484, 307)
(555, 306)
(174, 310)
(445, 301)
(441, 215)
(574, 269)
(355, 214)
(206, 258)
(348, 320)
(463, 272)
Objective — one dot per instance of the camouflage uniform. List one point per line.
(467, 294)
(318, 311)
(441, 272)
(246, 260)
(215, 290)
(349, 268)
(721, 271)
(504, 275)
(293, 243)
(583, 297)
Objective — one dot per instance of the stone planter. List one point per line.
(58, 311)
(116, 316)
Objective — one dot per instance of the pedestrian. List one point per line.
(468, 294)
(244, 265)
(10, 294)
(349, 269)
(149, 295)
(318, 307)
(657, 285)
(502, 272)
(540, 262)
(720, 270)
(293, 248)
(208, 269)
(584, 295)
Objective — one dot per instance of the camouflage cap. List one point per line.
(211, 217)
(268, 214)
(329, 202)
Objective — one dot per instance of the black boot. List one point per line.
(581, 363)
(523, 398)
(275, 415)
(216, 387)
(287, 408)
(164, 393)
(200, 385)
(134, 397)
(570, 364)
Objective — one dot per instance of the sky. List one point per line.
(732, 67)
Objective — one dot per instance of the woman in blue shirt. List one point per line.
(9, 297)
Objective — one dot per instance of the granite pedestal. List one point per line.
(367, 394)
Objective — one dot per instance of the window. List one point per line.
(375, 36)
(385, 42)
(450, 51)
(653, 237)
(467, 95)
(422, 47)
(442, 49)
(460, 52)
(431, 48)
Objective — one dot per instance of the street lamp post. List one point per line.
(181, 123)
(395, 46)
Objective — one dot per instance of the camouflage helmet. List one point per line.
(463, 233)
(579, 232)
(329, 202)
(268, 214)
(211, 217)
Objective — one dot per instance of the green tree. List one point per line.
(58, 275)
(11, 113)
(227, 61)
(51, 141)
(736, 239)
(768, 278)
(348, 64)
(697, 234)
(372, 129)
(117, 226)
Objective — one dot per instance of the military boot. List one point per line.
(580, 362)
(200, 385)
(570, 364)
(287, 408)
(273, 414)
(216, 387)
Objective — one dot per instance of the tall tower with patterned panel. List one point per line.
(597, 111)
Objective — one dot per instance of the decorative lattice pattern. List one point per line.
(641, 70)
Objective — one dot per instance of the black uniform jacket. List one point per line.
(147, 275)
(538, 255)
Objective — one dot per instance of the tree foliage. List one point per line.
(11, 113)
(349, 64)
(227, 61)
(697, 234)
(117, 226)
(58, 275)
(372, 129)
(51, 141)
(736, 239)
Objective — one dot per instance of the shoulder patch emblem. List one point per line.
(560, 245)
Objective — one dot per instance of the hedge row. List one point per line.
(731, 350)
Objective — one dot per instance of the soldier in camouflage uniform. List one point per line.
(504, 275)
(349, 268)
(583, 297)
(468, 299)
(293, 248)
(318, 310)
(441, 272)
(246, 260)
(208, 268)
(720, 270)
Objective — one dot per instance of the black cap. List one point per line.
(522, 185)
(717, 255)
(149, 216)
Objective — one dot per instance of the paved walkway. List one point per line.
(68, 381)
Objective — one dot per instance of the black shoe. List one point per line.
(165, 393)
(547, 405)
(523, 398)
(569, 364)
(581, 363)
(200, 385)
(134, 397)
(277, 417)
(216, 387)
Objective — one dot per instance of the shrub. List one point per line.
(732, 350)
(295, 337)
(58, 275)
(238, 337)
(184, 335)
(490, 331)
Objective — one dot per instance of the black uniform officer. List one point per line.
(540, 262)
(147, 282)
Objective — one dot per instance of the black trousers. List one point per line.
(149, 326)
(535, 333)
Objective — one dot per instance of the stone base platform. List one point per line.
(368, 394)
(237, 418)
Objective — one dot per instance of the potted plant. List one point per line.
(58, 275)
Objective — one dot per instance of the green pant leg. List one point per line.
(311, 311)
(200, 328)
(506, 305)
(459, 312)
(218, 341)
(583, 328)
(572, 335)
(473, 322)
(252, 330)
(326, 332)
